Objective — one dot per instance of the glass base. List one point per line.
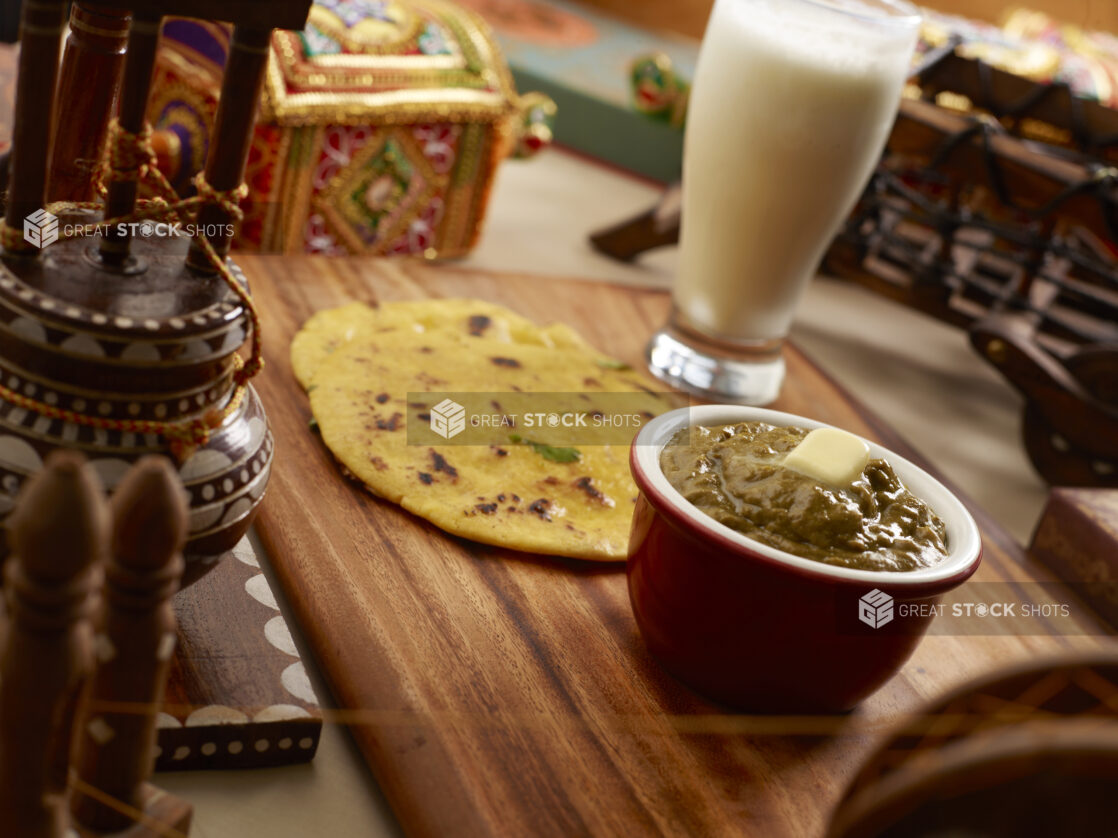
(717, 370)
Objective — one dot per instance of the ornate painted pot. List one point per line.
(155, 346)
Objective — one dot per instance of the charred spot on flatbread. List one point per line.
(585, 484)
(392, 423)
(439, 462)
(541, 507)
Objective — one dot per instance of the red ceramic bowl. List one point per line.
(759, 629)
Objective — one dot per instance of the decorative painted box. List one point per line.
(381, 128)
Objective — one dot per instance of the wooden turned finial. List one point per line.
(232, 134)
(139, 62)
(90, 77)
(57, 535)
(33, 120)
(135, 644)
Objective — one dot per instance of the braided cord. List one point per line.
(133, 158)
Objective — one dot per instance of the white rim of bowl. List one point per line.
(963, 538)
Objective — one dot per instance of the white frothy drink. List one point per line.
(791, 105)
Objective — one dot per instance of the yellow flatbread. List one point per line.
(571, 500)
(326, 330)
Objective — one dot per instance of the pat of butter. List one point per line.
(830, 456)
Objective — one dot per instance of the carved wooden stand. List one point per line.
(86, 647)
(123, 343)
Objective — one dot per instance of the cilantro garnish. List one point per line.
(548, 452)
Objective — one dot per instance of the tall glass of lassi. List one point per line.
(790, 108)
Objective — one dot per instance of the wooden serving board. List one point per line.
(498, 693)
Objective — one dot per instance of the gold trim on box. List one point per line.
(298, 188)
(334, 73)
(393, 107)
(272, 224)
(427, 85)
(388, 62)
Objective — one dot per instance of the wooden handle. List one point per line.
(58, 535)
(4, 159)
(137, 640)
(143, 43)
(66, 490)
(33, 119)
(232, 133)
(91, 68)
(149, 517)
(656, 227)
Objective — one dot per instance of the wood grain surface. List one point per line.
(497, 693)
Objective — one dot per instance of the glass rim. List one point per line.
(894, 12)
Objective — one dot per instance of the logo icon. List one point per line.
(40, 228)
(448, 419)
(875, 609)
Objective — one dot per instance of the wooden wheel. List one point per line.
(1030, 751)
(1071, 433)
